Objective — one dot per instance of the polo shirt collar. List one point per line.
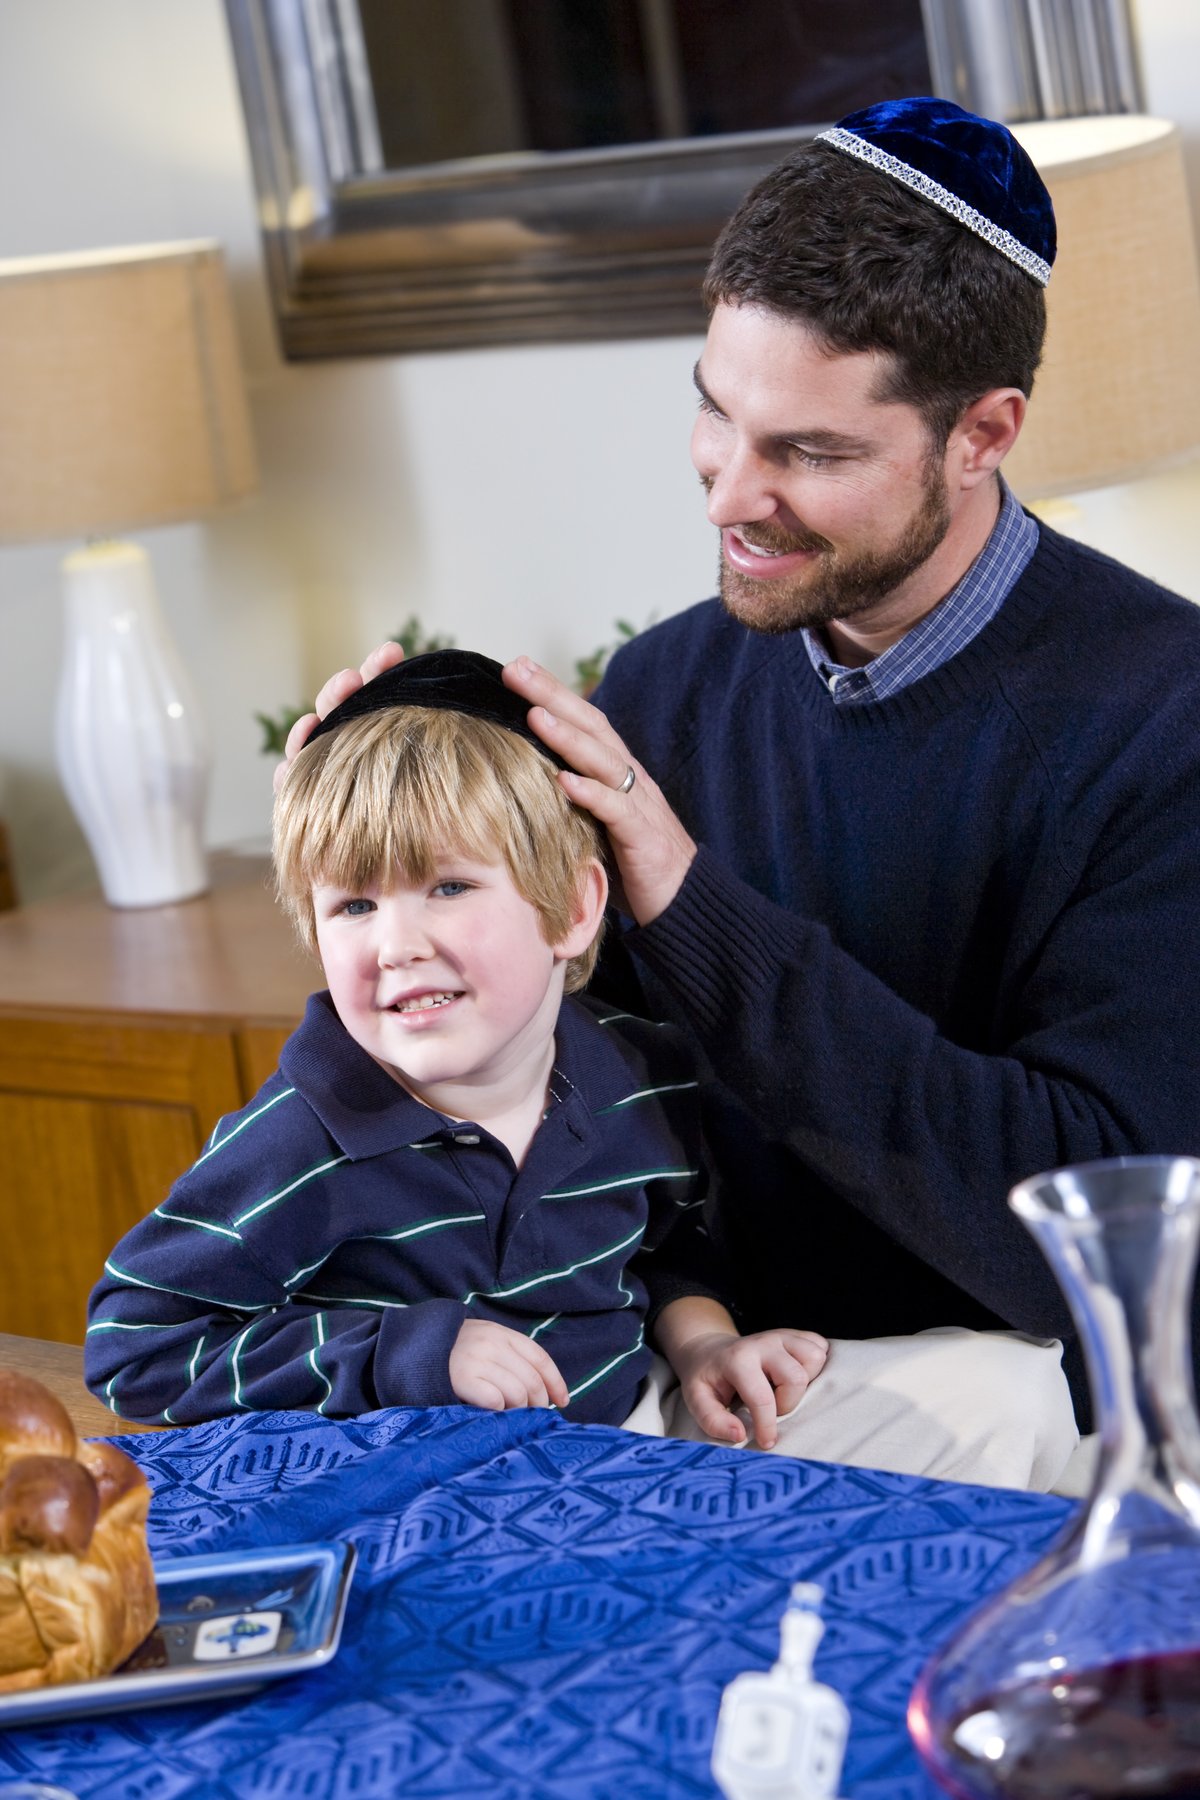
(367, 1113)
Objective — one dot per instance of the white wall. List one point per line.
(516, 499)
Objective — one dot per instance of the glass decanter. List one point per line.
(1081, 1681)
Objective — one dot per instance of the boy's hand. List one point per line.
(494, 1367)
(339, 687)
(768, 1372)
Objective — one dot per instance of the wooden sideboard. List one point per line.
(124, 1036)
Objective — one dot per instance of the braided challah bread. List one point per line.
(77, 1591)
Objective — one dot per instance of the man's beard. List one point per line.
(835, 586)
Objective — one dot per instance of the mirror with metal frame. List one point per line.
(440, 173)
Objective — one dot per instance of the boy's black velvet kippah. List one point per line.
(449, 680)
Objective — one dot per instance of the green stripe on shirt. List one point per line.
(545, 1275)
(314, 1362)
(608, 1368)
(671, 1087)
(620, 1181)
(238, 1129)
(261, 1206)
(230, 1306)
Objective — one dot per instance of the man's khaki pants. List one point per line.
(986, 1407)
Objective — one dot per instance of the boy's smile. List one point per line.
(448, 983)
(415, 1004)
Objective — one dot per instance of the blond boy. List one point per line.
(462, 1184)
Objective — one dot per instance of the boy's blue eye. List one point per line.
(450, 889)
(355, 909)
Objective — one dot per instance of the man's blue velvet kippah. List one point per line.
(972, 168)
(451, 680)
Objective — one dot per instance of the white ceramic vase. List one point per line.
(133, 752)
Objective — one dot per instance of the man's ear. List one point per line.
(587, 913)
(984, 435)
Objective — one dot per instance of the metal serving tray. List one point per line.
(226, 1624)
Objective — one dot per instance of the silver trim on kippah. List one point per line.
(929, 189)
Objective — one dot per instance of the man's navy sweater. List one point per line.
(327, 1247)
(929, 946)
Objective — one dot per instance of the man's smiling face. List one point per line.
(829, 500)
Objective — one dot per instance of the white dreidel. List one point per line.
(782, 1735)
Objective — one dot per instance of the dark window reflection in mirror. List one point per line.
(470, 78)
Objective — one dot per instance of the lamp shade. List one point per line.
(121, 398)
(1118, 394)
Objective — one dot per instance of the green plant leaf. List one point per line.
(275, 730)
(590, 669)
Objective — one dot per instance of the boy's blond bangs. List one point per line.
(391, 793)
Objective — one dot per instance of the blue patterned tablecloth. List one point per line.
(542, 1611)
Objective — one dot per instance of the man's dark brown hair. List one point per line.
(867, 265)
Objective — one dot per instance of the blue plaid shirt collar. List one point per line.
(949, 628)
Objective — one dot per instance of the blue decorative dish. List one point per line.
(226, 1624)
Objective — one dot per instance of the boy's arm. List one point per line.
(679, 1262)
(689, 1320)
(678, 1258)
(186, 1325)
(768, 1372)
(686, 1283)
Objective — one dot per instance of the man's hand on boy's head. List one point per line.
(653, 851)
(768, 1372)
(339, 687)
(495, 1367)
